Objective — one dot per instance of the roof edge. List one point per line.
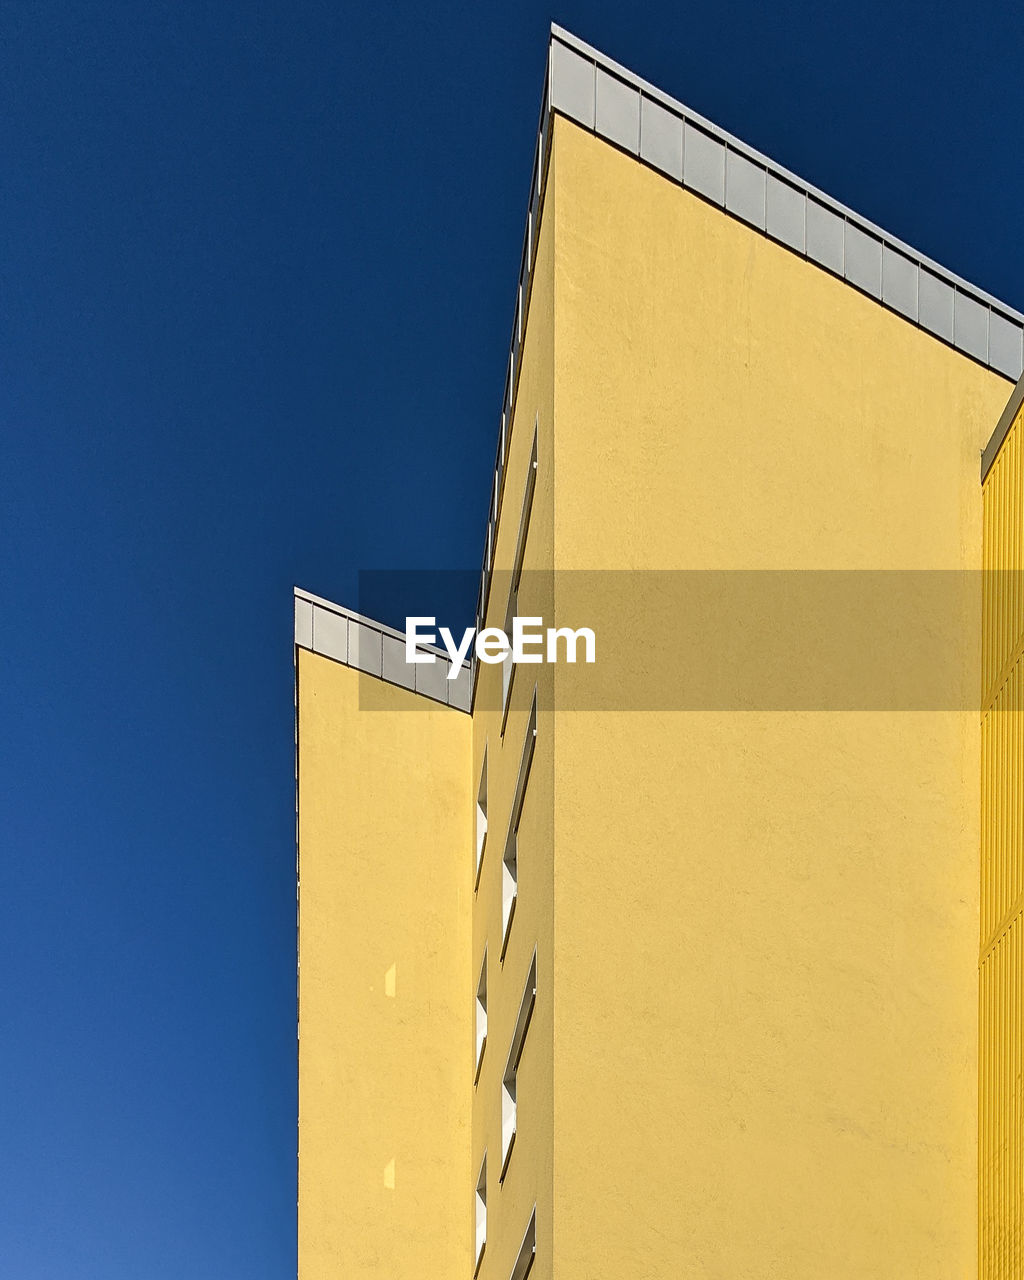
(764, 195)
(609, 100)
(377, 650)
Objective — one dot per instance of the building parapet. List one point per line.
(585, 86)
(328, 629)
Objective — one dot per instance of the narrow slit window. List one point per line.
(508, 1117)
(509, 886)
(510, 856)
(509, 1083)
(481, 1212)
(524, 519)
(481, 1015)
(527, 1250)
(508, 669)
(481, 817)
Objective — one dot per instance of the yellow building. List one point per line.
(668, 965)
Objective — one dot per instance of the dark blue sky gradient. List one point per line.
(257, 265)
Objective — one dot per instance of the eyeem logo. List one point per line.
(494, 646)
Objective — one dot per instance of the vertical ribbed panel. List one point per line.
(1002, 833)
(1002, 1186)
(1003, 561)
(1001, 987)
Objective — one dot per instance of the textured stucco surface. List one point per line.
(385, 1018)
(754, 1045)
(765, 1002)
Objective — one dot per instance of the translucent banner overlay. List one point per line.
(736, 640)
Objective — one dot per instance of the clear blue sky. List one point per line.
(257, 265)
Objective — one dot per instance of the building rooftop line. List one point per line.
(609, 100)
(334, 632)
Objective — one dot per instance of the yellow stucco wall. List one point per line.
(753, 1050)
(385, 1014)
(528, 1178)
(765, 1009)
(1001, 1146)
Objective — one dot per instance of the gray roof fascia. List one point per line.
(344, 636)
(560, 35)
(763, 195)
(1009, 363)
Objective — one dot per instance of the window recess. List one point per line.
(527, 1250)
(509, 1112)
(481, 817)
(508, 669)
(481, 1016)
(510, 856)
(481, 1213)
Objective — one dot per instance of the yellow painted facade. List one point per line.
(751, 1046)
(764, 922)
(1001, 1134)
(385, 1015)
